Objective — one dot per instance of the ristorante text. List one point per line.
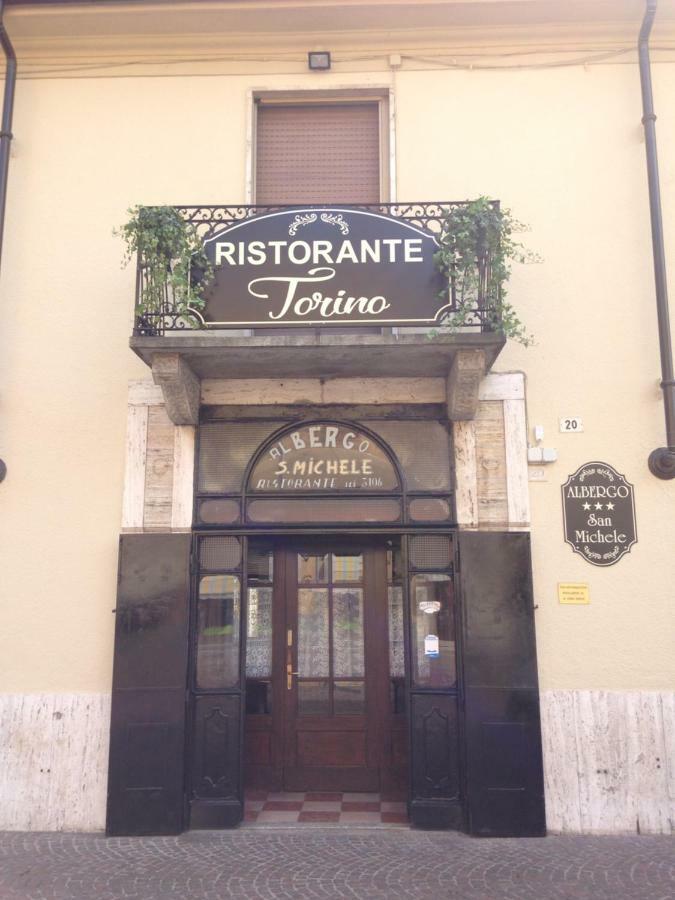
(293, 293)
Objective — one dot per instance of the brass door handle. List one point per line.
(289, 676)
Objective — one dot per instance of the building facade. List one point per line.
(316, 541)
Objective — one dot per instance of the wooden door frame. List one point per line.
(375, 670)
(435, 811)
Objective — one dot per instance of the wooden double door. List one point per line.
(325, 688)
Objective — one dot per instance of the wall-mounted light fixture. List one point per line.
(318, 61)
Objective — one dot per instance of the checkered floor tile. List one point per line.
(325, 808)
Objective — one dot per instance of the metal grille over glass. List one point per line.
(220, 553)
(331, 662)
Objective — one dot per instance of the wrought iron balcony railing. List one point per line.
(477, 308)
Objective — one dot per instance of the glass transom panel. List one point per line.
(323, 457)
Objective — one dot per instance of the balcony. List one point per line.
(317, 292)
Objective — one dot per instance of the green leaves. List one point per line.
(477, 248)
(175, 271)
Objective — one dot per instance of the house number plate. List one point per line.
(571, 424)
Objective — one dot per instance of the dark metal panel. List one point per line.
(435, 770)
(215, 796)
(435, 761)
(504, 776)
(505, 781)
(496, 579)
(145, 782)
(152, 608)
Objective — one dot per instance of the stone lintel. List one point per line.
(463, 383)
(327, 356)
(180, 386)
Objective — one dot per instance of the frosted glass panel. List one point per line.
(347, 632)
(396, 662)
(259, 633)
(313, 650)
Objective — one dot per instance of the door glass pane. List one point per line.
(433, 631)
(347, 632)
(348, 568)
(313, 698)
(259, 633)
(396, 663)
(313, 650)
(349, 698)
(312, 569)
(260, 567)
(396, 645)
(394, 564)
(218, 631)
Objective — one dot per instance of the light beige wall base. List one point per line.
(53, 761)
(609, 761)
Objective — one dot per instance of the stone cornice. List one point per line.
(123, 38)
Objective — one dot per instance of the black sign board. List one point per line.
(324, 457)
(328, 267)
(599, 513)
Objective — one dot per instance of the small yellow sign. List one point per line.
(573, 593)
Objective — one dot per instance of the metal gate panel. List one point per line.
(147, 738)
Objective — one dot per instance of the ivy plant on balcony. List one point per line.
(477, 247)
(174, 270)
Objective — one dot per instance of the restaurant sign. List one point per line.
(320, 266)
(599, 513)
(323, 457)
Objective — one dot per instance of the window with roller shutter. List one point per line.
(318, 153)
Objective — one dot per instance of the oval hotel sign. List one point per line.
(599, 513)
(318, 266)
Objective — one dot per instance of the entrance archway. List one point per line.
(303, 628)
(469, 691)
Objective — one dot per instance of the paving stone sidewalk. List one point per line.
(327, 863)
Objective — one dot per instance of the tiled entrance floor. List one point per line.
(323, 808)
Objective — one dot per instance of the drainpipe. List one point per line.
(662, 460)
(5, 137)
(7, 110)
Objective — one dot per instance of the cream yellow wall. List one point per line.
(562, 147)
(85, 150)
